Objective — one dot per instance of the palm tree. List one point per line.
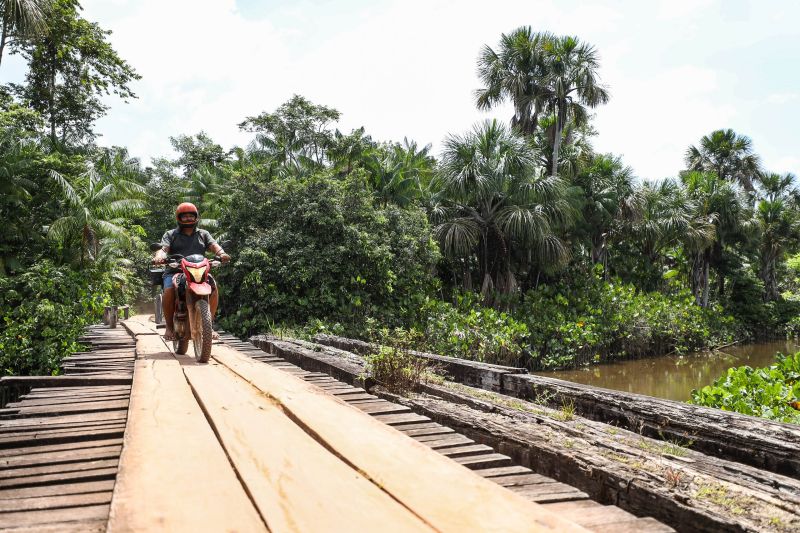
(717, 202)
(396, 173)
(728, 155)
(778, 219)
(347, 151)
(22, 18)
(209, 190)
(517, 71)
(497, 204)
(609, 200)
(94, 207)
(571, 68)
(666, 219)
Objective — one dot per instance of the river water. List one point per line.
(674, 377)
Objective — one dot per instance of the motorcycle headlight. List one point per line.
(196, 273)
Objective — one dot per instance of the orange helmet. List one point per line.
(185, 208)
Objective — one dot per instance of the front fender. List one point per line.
(200, 289)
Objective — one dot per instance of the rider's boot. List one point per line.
(168, 306)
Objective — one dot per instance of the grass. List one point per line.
(719, 495)
(673, 448)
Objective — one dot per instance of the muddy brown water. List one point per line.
(674, 377)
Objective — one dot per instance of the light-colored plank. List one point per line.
(152, 347)
(446, 495)
(294, 481)
(174, 475)
(136, 326)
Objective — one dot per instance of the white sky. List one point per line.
(676, 70)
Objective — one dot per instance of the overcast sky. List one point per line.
(676, 70)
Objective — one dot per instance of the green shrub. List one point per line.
(393, 366)
(591, 320)
(472, 331)
(771, 392)
(44, 311)
(320, 249)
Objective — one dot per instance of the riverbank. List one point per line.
(673, 377)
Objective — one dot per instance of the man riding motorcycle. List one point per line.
(185, 240)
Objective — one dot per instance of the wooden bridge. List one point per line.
(135, 438)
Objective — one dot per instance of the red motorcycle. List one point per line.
(193, 320)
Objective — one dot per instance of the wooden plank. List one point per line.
(172, 466)
(470, 449)
(54, 502)
(30, 402)
(67, 408)
(521, 479)
(436, 442)
(391, 459)
(60, 477)
(290, 477)
(84, 526)
(37, 518)
(71, 456)
(76, 420)
(60, 381)
(549, 492)
(381, 407)
(27, 440)
(17, 477)
(59, 447)
(58, 489)
(403, 418)
(137, 327)
(490, 460)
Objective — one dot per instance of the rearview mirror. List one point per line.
(156, 246)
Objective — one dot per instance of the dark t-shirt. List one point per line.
(179, 243)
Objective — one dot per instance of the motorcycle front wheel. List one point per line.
(202, 334)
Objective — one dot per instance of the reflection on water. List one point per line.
(674, 377)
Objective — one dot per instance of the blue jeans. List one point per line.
(168, 280)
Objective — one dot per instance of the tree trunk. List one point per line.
(4, 36)
(556, 142)
(705, 282)
(52, 103)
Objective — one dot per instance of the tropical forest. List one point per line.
(514, 242)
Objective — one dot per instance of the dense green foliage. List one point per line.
(772, 392)
(319, 249)
(44, 311)
(518, 244)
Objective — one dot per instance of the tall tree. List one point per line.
(196, 152)
(498, 202)
(778, 216)
(713, 201)
(609, 200)
(21, 19)
(70, 68)
(296, 136)
(729, 155)
(517, 72)
(574, 85)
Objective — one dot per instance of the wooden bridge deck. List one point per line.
(242, 445)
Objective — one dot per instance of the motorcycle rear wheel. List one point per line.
(181, 346)
(202, 336)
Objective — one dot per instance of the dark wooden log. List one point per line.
(732, 436)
